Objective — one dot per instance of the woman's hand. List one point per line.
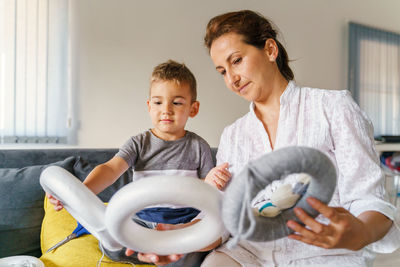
(343, 231)
(219, 176)
(55, 202)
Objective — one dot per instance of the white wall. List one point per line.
(116, 44)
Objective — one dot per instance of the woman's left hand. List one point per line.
(343, 231)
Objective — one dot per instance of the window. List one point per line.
(374, 76)
(35, 100)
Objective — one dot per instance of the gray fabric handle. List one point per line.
(237, 212)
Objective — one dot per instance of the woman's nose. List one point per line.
(233, 79)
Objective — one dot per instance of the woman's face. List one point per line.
(247, 70)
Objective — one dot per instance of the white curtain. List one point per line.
(380, 85)
(374, 76)
(35, 98)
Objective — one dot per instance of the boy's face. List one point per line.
(170, 106)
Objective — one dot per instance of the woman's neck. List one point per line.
(271, 99)
(268, 111)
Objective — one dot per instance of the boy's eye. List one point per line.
(177, 103)
(222, 72)
(157, 103)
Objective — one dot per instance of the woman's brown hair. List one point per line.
(254, 28)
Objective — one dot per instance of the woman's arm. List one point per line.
(359, 185)
(343, 231)
(376, 223)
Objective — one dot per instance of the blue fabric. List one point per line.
(80, 230)
(168, 215)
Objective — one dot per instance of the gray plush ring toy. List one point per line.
(237, 213)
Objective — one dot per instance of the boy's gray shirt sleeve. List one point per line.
(129, 151)
(206, 161)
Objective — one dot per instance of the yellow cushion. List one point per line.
(82, 251)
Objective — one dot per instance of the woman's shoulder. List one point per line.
(328, 97)
(338, 102)
(329, 93)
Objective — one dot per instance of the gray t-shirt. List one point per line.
(149, 155)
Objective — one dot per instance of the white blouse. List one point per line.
(332, 122)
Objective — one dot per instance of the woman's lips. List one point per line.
(242, 89)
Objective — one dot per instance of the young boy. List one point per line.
(166, 149)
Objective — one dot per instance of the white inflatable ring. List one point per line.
(21, 261)
(113, 224)
(176, 190)
(80, 202)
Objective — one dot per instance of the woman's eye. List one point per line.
(157, 103)
(236, 61)
(177, 103)
(222, 72)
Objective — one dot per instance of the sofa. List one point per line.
(22, 207)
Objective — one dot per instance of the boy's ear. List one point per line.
(194, 109)
(148, 105)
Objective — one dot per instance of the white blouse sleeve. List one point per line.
(221, 158)
(360, 181)
(222, 148)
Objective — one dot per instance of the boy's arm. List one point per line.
(105, 174)
(101, 177)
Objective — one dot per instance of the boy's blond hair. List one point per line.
(177, 72)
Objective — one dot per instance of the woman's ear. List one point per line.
(194, 109)
(271, 49)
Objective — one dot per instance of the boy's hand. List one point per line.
(219, 176)
(154, 258)
(55, 202)
(157, 259)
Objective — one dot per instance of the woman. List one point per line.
(254, 64)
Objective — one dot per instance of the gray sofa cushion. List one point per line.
(19, 158)
(21, 208)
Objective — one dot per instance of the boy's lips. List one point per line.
(166, 120)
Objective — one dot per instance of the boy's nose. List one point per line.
(167, 109)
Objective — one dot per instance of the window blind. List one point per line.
(374, 76)
(35, 99)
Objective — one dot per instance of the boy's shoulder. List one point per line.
(139, 140)
(196, 137)
(141, 136)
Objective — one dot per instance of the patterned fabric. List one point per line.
(332, 122)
